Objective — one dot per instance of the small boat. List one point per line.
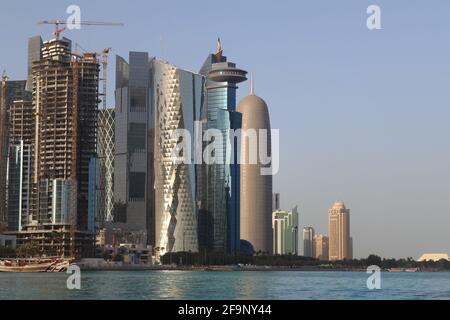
(33, 265)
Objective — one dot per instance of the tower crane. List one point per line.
(59, 23)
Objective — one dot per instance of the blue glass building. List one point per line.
(219, 212)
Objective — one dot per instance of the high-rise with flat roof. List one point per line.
(321, 247)
(340, 243)
(285, 232)
(308, 242)
(133, 213)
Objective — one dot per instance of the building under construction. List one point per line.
(65, 106)
(9, 92)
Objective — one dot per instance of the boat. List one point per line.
(33, 265)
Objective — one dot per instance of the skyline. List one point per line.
(335, 163)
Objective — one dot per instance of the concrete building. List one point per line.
(308, 242)
(321, 247)
(285, 232)
(256, 188)
(340, 244)
(64, 138)
(219, 216)
(8, 241)
(177, 98)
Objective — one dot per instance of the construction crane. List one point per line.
(59, 23)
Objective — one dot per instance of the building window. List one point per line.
(137, 186)
(138, 99)
(136, 137)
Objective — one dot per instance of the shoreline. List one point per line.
(241, 269)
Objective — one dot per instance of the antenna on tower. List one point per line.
(252, 85)
(161, 43)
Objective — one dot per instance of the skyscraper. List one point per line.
(133, 212)
(177, 100)
(340, 246)
(219, 217)
(21, 138)
(321, 247)
(106, 153)
(276, 202)
(10, 91)
(285, 232)
(308, 242)
(256, 188)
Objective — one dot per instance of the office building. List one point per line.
(177, 100)
(256, 187)
(340, 244)
(10, 91)
(285, 232)
(219, 217)
(308, 242)
(106, 155)
(321, 247)
(133, 211)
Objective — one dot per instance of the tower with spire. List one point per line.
(256, 188)
(219, 192)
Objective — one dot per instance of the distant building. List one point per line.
(321, 247)
(276, 202)
(434, 257)
(340, 243)
(285, 232)
(308, 242)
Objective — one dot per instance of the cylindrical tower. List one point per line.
(256, 189)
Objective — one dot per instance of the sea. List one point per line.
(218, 285)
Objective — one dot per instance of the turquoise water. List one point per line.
(225, 285)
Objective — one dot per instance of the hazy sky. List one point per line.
(363, 115)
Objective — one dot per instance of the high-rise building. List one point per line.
(276, 202)
(177, 100)
(65, 100)
(64, 139)
(285, 232)
(219, 217)
(133, 213)
(256, 187)
(21, 138)
(35, 45)
(321, 247)
(106, 155)
(340, 247)
(10, 91)
(308, 242)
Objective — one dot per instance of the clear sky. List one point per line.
(363, 115)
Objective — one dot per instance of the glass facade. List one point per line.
(219, 217)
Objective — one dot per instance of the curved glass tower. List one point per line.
(220, 204)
